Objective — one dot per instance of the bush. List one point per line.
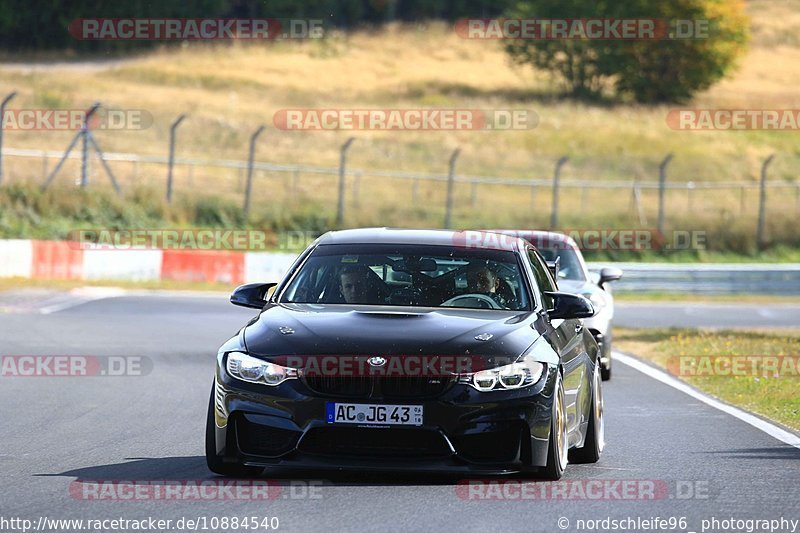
(649, 71)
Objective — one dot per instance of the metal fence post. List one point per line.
(342, 163)
(249, 186)
(85, 145)
(556, 179)
(83, 135)
(2, 122)
(172, 155)
(451, 174)
(762, 203)
(662, 178)
(636, 202)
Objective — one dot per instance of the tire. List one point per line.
(214, 461)
(558, 443)
(595, 439)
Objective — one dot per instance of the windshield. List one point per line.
(410, 275)
(569, 266)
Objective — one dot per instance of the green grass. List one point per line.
(760, 392)
(622, 296)
(27, 212)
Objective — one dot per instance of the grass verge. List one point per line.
(681, 297)
(761, 391)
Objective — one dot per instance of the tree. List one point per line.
(696, 43)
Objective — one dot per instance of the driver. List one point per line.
(484, 280)
(358, 285)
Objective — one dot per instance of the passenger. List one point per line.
(481, 278)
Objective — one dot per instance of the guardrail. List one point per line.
(752, 278)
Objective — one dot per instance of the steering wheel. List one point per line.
(453, 302)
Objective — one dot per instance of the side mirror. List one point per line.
(251, 295)
(566, 306)
(609, 274)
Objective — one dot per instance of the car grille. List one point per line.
(375, 442)
(414, 387)
(390, 388)
(350, 386)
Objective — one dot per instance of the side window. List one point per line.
(543, 278)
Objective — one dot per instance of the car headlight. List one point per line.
(246, 368)
(517, 375)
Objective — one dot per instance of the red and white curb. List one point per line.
(33, 259)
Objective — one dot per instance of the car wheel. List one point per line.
(595, 433)
(214, 461)
(558, 443)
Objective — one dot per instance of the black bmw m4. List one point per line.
(412, 350)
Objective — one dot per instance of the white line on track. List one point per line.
(770, 429)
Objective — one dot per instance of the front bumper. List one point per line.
(463, 430)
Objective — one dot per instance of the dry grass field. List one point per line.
(228, 90)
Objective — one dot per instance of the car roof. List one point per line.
(459, 239)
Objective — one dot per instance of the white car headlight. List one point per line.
(517, 375)
(246, 368)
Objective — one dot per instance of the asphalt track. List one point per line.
(703, 463)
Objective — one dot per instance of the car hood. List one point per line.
(311, 329)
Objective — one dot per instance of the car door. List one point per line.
(569, 335)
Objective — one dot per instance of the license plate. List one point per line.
(356, 413)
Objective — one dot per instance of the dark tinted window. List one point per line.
(410, 275)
